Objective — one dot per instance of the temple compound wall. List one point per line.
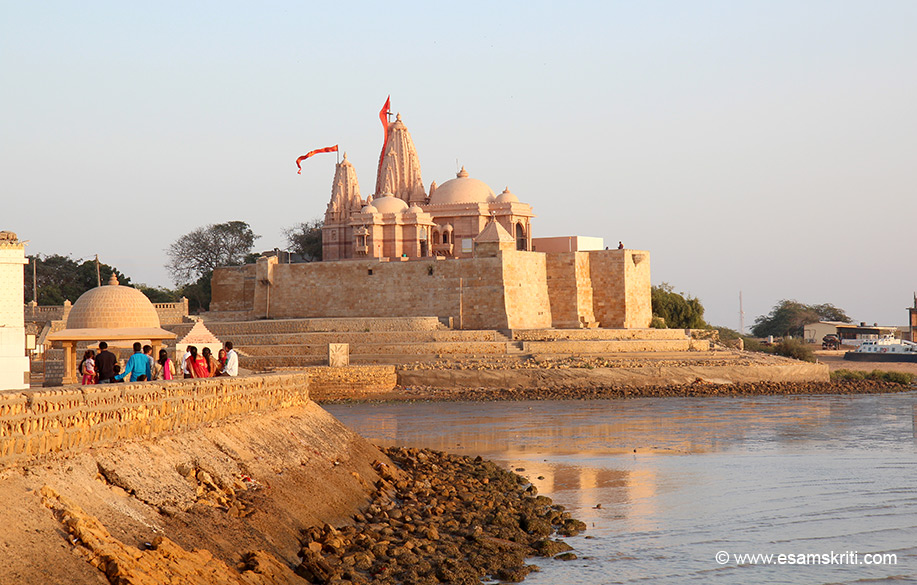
(511, 290)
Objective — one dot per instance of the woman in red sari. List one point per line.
(197, 365)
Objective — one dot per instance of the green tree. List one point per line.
(195, 254)
(62, 278)
(159, 294)
(305, 239)
(788, 318)
(676, 309)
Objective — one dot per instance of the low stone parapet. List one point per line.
(329, 383)
(35, 423)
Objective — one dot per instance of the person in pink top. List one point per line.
(163, 369)
(88, 367)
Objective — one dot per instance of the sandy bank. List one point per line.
(252, 483)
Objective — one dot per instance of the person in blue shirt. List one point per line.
(137, 366)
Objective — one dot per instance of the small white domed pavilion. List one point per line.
(118, 315)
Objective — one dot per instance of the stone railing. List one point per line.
(69, 418)
(46, 421)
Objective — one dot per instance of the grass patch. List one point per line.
(902, 378)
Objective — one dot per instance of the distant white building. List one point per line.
(14, 364)
(567, 244)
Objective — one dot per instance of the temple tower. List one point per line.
(399, 173)
(345, 199)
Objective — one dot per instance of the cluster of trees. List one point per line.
(788, 318)
(61, 278)
(676, 310)
(192, 259)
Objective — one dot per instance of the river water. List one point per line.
(666, 485)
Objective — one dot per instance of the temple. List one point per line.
(456, 251)
(403, 220)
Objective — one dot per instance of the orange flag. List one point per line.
(383, 115)
(316, 151)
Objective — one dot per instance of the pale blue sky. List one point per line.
(769, 147)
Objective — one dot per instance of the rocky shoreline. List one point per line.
(696, 389)
(439, 518)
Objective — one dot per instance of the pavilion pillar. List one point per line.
(70, 373)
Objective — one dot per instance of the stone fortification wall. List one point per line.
(621, 288)
(35, 423)
(514, 290)
(507, 291)
(608, 288)
(570, 289)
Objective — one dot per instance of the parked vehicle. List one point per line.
(830, 341)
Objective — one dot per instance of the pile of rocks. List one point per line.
(439, 518)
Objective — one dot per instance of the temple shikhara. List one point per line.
(457, 251)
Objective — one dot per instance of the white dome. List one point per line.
(112, 307)
(369, 209)
(462, 189)
(389, 204)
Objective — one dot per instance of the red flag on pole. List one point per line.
(383, 115)
(316, 151)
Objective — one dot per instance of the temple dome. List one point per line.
(389, 204)
(462, 189)
(506, 197)
(112, 307)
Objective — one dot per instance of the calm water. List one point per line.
(680, 480)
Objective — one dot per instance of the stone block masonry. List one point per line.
(513, 290)
(34, 423)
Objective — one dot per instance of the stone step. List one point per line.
(225, 329)
(467, 347)
(575, 347)
(249, 340)
(596, 334)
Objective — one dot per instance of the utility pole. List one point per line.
(741, 316)
(35, 279)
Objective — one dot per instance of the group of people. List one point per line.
(103, 368)
(204, 365)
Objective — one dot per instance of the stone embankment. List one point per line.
(218, 482)
(598, 373)
(698, 388)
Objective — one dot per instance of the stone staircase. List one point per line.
(293, 343)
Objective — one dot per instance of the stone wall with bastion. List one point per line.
(511, 290)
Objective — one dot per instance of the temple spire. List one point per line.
(345, 192)
(399, 173)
